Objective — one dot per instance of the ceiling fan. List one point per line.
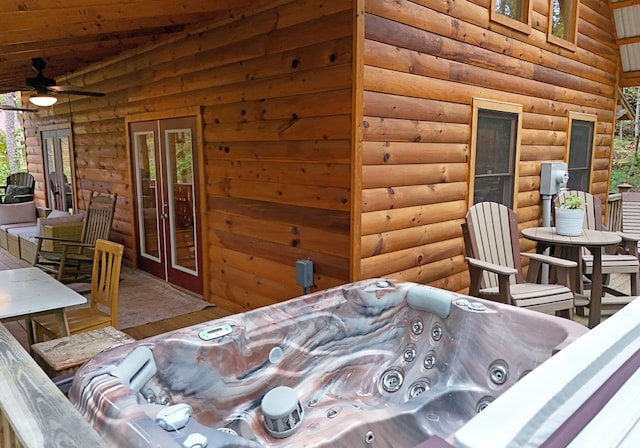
(15, 108)
(46, 87)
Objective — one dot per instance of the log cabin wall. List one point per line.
(275, 86)
(424, 63)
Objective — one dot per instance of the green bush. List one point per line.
(625, 165)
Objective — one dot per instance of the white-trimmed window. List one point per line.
(515, 14)
(563, 23)
(581, 142)
(495, 147)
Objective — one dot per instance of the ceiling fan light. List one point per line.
(43, 100)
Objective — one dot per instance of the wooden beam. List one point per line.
(623, 4)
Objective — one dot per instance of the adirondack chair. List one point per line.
(19, 188)
(625, 261)
(73, 263)
(492, 247)
(105, 278)
(631, 213)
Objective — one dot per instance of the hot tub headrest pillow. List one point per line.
(18, 213)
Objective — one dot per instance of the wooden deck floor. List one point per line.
(7, 261)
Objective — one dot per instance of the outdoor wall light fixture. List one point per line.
(43, 99)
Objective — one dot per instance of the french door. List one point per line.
(167, 200)
(58, 164)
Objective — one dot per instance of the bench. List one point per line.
(67, 354)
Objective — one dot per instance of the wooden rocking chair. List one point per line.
(625, 261)
(103, 309)
(73, 263)
(492, 248)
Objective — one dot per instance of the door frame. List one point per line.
(72, 160)
(196, 112)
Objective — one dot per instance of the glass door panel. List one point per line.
(148, 226)
(181, 211)
(58, 164)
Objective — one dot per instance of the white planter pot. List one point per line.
(569, 221)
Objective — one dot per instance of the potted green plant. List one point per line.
(570, 215)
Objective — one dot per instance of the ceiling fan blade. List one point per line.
(73, 90)
(18, 109)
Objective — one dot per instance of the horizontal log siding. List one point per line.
(425, 61)
(275, 86)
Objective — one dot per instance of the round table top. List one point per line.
(588, 238)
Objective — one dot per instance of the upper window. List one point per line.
(563, 19)
(581, 142)
(495, 146)
(515, 14)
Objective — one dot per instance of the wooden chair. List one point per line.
(630, 213)
(73, 263)
(492, 248)
(103, 309)
(18, 188)
(624, 261)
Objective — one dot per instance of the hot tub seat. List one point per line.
(364, 361)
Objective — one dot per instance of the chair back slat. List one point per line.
(105, 277)
(493, 237)
(631, 212)
(98, 218)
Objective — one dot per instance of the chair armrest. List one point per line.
(629, 236)
(77, 244)
(629, 244)
(552, 261)
(504, 273)
(495, 268)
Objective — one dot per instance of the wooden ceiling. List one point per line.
(72, 34)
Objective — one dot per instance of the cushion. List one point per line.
(57, 214)
(13, 213)
(52, 220)
(18, 193)
(25, 232)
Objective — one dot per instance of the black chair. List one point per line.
(18, 188)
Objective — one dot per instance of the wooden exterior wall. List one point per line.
(275, 89)
(424, 62)
(340, 132)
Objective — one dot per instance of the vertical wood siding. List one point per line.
(275, 86)
(424, 63)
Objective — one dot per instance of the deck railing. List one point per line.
(614, 212)
(34, 413)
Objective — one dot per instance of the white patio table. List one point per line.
(29, 292)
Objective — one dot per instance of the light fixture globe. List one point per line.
(43, 99)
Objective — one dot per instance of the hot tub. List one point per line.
(375, 363)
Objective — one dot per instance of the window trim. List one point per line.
(579, 116)
(568, 44)
(497, 106)
(521, 26)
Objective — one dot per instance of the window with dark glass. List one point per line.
(496, 137)
(580, 150)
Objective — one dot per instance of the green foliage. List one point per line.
(4, 164)
(625, 166)
(571, 201)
